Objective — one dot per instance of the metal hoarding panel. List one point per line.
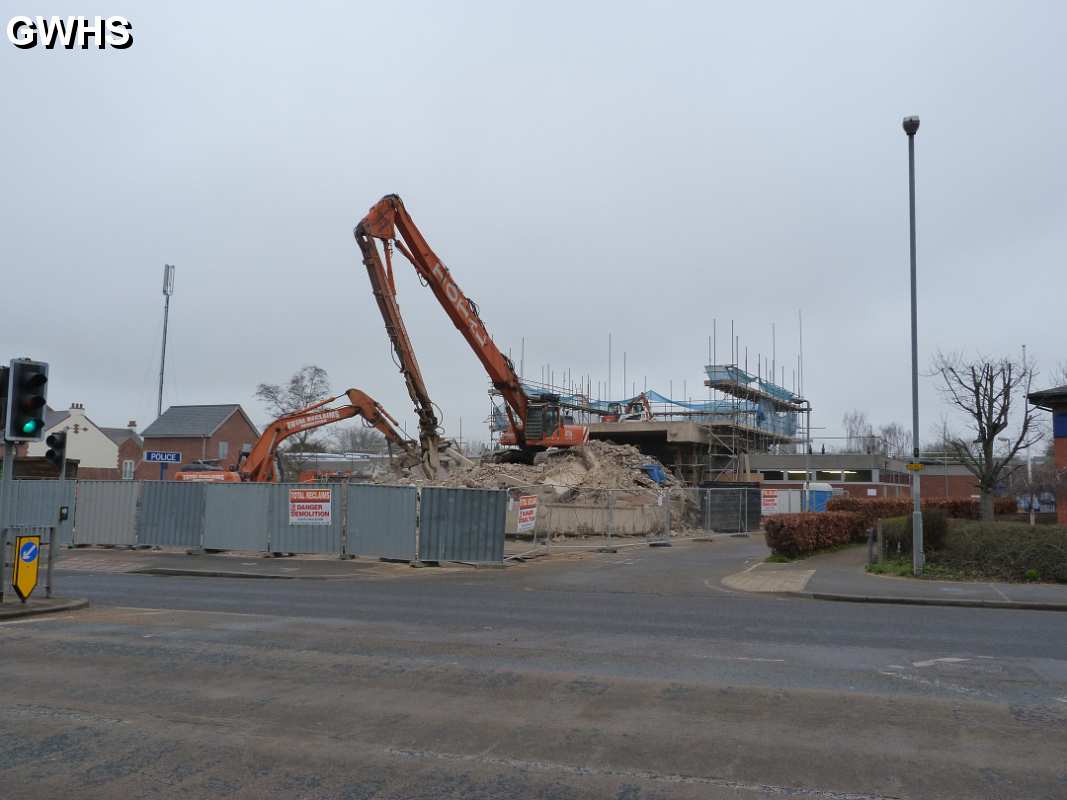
(236, 516)
(172, 514)
(107, 512)
(301, 521)
(36, 503)
(382, 521)
(462, 524)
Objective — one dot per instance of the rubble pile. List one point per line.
(596, 465)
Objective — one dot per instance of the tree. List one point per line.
(858, 432)
(357, 438)
(308, 385)
(896, 440)
(985, 390)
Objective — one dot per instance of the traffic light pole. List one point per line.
(5, 493)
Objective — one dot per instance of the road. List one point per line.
(629, 675)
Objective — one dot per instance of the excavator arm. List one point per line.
(390, 222)
(258, 465)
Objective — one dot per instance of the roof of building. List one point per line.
(121, 435)
(1057, 395)
(193, 421)
(53, 417)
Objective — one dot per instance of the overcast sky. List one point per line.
(582, 168)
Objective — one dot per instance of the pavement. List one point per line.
(12, 608)
(636, 675)
(841, 575)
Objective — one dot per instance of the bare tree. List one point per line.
(858, 432)
(357, 438)
(984, 390)
(895, 440)
(308, 385)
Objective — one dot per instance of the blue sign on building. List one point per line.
(162, 457)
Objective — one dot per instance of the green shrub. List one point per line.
(897, 532)
(1005, 550)
(794, 535)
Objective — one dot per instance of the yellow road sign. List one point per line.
(915, 467)
(27, 558)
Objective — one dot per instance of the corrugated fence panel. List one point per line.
(172, 514)
(462, 524)
(37, 503)
(381, 521)
(236, 516)
(107, 512)
(297, 515)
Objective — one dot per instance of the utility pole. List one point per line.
(168, 290)
(911, 125)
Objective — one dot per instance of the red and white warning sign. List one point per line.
(527, 513)
(310, 506)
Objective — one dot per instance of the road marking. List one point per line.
(754, 658)
(932, 661)
(39, 618)
(1002, 595)
(1061, 699)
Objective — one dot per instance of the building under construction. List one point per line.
(700, 441)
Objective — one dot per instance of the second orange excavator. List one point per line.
(259, 464)
(534, 424)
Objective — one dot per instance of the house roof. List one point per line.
(53, 417)
(121, 435)
(1048, 396)
(193, 421)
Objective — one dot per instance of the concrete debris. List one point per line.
(559, 473)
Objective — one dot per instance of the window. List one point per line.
(224, 449)
(127, 469)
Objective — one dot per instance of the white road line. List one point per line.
(1002, 595)
(39, 618)
(932, 661)
(1061, 699)
(767, 660)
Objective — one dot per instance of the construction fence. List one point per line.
(394, 522)
(542, 511)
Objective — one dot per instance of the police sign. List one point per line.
(163, 457)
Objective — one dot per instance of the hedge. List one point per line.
(1010, 551)
(883, 507)
(794, 535)
(897, 532)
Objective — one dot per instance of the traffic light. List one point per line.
(57, 448)
(27, 390)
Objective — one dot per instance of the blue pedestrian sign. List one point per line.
(163, 457)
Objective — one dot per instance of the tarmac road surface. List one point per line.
(628, 675)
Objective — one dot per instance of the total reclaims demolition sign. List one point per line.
(310, 507)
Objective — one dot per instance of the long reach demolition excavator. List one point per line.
(535, 424)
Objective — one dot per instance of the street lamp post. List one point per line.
(807, 453)
(911, 125)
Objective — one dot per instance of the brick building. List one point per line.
(101, 453)
(212, 434)
(1055, 400)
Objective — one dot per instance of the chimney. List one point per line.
(132, 424)
(77, 407)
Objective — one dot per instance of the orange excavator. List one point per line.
(258, 465)
(535, 424)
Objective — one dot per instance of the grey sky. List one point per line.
(582, 168)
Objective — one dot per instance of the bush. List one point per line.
(794, 535)
(1005, 550)
(883, 507)
(897, 532)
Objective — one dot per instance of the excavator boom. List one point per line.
(389, 221)
(258, 465)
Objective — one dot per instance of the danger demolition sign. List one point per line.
(311, 506)
(527, 513)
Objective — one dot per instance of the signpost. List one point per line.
(27, 559)
(527, 513)
(311, 506)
